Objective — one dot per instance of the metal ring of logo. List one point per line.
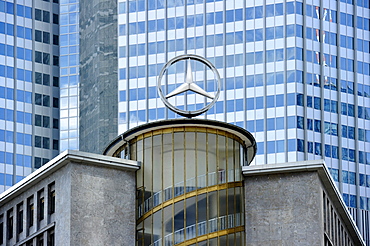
(186, 113)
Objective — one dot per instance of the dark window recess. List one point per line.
(38, 36)
(55, 102)
(46, 121)
(38, 78)
(46, 79)
(55, 1)
(9, 226)
(56, 60)
(40, 205)
(40, 240)
(45, 16)
(55, 19)
(45, 160)
(56, 81)
(20, 218)
(46, 58)
(45, 143)
(38, 14)
(55, 39)
(37, 144)
(30, 209)
(1, 232)
(46, 100)
(51, 238)
(38, 99)
(55, 123)
(38, 56)
(38, 120)
(51, 198)
(55, 144)
(38, 159)
(46, 37)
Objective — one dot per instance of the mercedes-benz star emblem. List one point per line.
(189, 85)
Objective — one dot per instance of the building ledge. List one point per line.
(60, 161)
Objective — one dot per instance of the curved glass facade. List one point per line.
(189, 187)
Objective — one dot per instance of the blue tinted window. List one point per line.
(317, 126)
(270, 147)
(259, 125)
(279, 123)
(219, 17)
(317, 103)
(270, 124)
(258, 12)
(309, 124)
(270, 10)
(260, 148)
(292, 144)
(259, 103)
(317, 148)
(289, 8)
(249, 13)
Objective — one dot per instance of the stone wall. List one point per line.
(284, 209)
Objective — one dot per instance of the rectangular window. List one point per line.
(45, 16)
(51, 239)
(38, 78)
(38, 120)
(46, 79)
(38, 56)
(55, 102)
(1, 230)
(46, 143)
(56, 81)
(38, 14)
(46, 100)
(38, 99)
(55, 39)
(40, 205)
(38, 141)
(9, 226)
(20, 218)
(55, 123)
(37, 162)
(46, 37)
(51, 198)
(46, 58)
(38, 36)
(55, 19)
(46, 121)
(30, 211)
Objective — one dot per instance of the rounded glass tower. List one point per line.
(189, 187)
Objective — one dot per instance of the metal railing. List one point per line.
(157, 198)
(201, 228)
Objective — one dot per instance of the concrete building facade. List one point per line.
(76, 199)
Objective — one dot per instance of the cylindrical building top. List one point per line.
(242, 135)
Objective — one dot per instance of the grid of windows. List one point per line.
(69, 71)
(295, 75)
(27, 66)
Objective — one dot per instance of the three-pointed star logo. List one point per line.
(189, 85)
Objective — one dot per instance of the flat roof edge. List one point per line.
(61, 160)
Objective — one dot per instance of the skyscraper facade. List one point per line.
(294, 73)
(29, 87)
(69, 74)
